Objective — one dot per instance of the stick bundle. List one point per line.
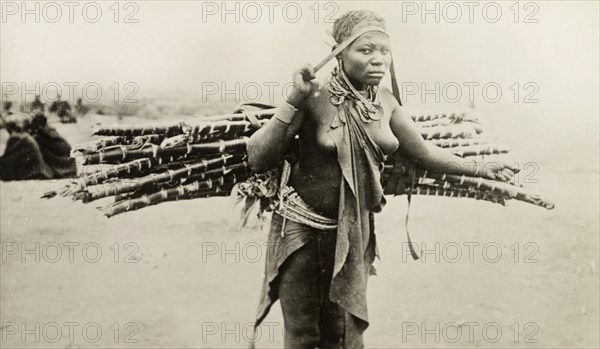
(144, 165)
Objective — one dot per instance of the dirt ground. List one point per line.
(174, 275)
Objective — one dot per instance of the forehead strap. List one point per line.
(347, 43)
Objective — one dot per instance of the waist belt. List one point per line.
(292, 207)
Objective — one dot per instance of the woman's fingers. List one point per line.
(307, 72)
(501, 171)
(508, 173)
(504, 174)
(501, 176)
(298, 80)
(302, 84)
(304, 75)
(512, 168)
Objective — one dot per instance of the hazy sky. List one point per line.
(544, 52)
(181, 44)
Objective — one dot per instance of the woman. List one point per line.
(321, 243)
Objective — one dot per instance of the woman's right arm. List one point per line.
(270, 143)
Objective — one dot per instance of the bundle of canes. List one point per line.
(403, 177)
(144, 165)
(219, 186)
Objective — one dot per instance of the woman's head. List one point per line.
(368, 58)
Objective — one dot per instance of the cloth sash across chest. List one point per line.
(361, 195)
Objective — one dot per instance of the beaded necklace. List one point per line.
(341, 89)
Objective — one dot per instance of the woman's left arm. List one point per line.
(437, 159)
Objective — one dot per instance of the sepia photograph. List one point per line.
(299, 174)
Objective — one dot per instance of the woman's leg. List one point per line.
(331, 323)
(299, 294)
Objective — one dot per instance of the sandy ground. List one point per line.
(174, 275)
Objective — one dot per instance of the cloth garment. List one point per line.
(304, 260)
(361, 195)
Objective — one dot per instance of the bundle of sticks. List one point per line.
(144, 165)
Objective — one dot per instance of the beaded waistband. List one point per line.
(294, 208)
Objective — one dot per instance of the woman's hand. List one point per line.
(302, 85)
(497, 170)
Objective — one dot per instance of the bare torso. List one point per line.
(317, 175)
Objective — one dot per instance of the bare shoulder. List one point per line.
(318, 101)
(319, 91)
(387, 98)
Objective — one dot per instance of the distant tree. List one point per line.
(80, 108)
(37, 106)
(63, 110)
(6, 104)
